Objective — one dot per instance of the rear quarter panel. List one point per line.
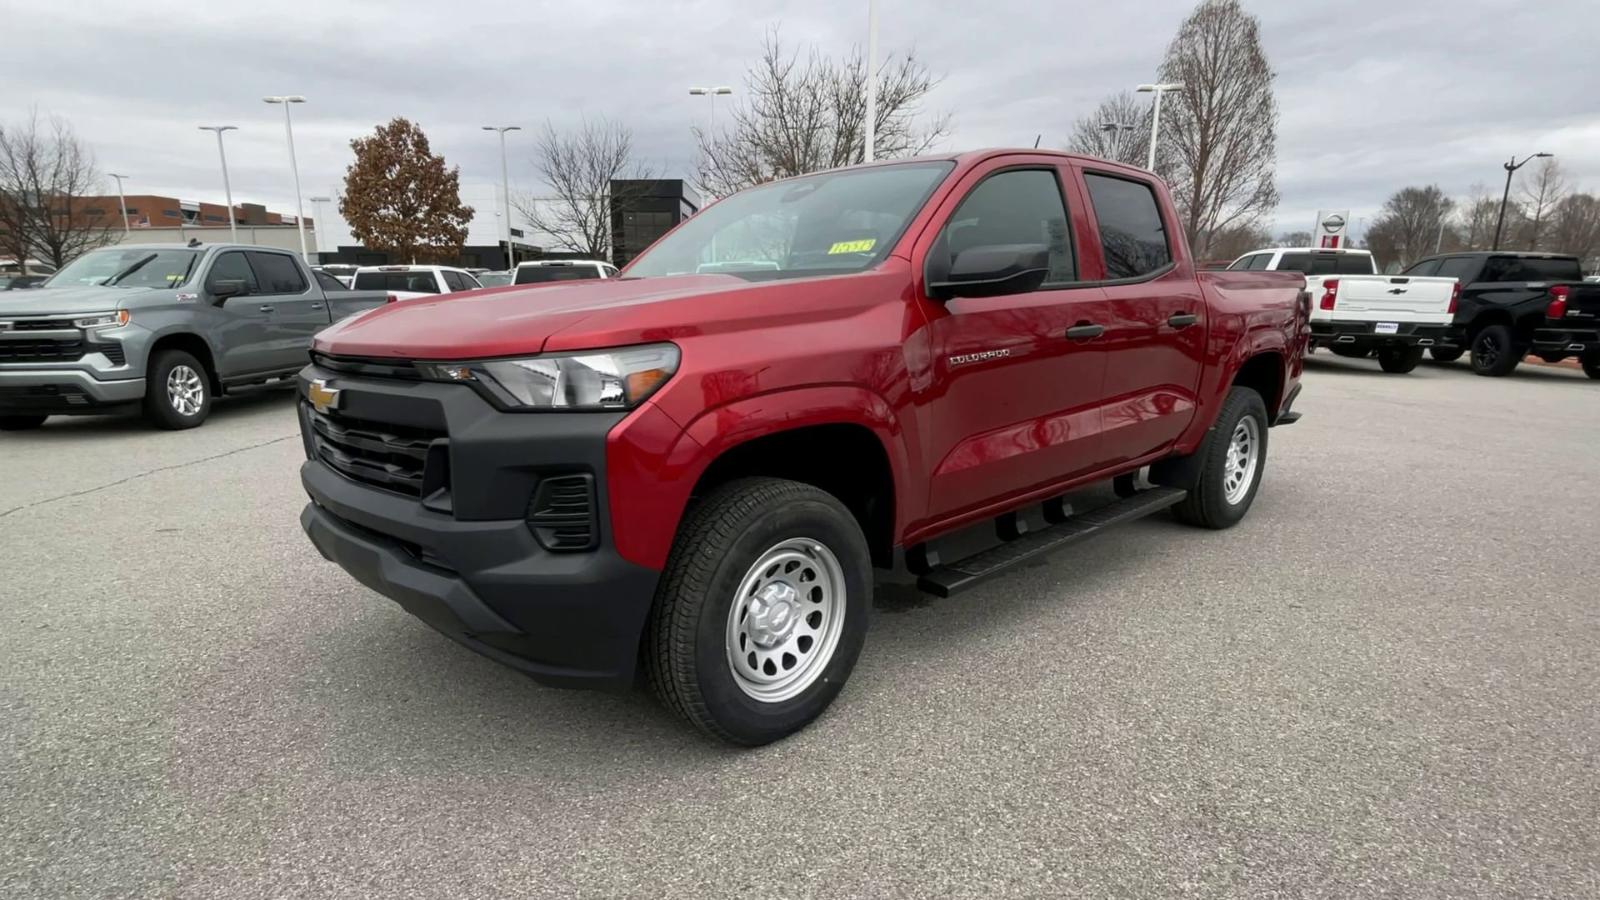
(1252, 313)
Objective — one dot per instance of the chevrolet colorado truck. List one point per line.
(691, 478)
(164, 327)
(1516, 303)
(1357, 313)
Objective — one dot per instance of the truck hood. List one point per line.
(524, 320)
(53, 301)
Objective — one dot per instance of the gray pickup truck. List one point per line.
(163, 326)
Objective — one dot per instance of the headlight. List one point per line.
(103, 320)
(604, 379)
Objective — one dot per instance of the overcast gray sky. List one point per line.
(1374, 94)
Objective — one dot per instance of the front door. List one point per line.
(1011, 402)
(1156, 322)
(243, 336)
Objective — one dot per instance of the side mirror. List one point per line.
(223, 288)
(993, 271)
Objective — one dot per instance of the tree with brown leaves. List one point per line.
(399, 196)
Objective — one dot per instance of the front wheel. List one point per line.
(1445, 354)
(1399, 360)
(21, 423)
(761, 612)
(1494, 351)
(1591, 367)
(177, 391)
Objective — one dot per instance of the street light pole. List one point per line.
(294, 167)
(711, 131)
(316, 210)
(120, 201)
(505, 188)
(1155, 114)
(871, 124)
(227, 190)
(1511, 168)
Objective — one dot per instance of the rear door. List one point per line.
(298, 309)
(242, 337)
(1156, 325)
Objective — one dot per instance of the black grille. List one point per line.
(394, 457)
(40, 351)
(43, 325)
(43, 396)
(562, 513)
(378, 368)
(113, 352)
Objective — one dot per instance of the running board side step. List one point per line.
(957, 576)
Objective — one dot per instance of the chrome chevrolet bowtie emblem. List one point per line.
(322, 397)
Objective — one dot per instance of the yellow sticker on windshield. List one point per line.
(861, 246)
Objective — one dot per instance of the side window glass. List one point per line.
(1355, 264)
(453, 281)
(1423, 269)
(1459, 268)
(277, 273)
(329, 283)
(1132, 236)
(470, 282)
(1259, 262)
(1022, 206)
(231, 266)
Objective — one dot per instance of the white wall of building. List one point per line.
(283, 237)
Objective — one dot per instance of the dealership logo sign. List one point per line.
(1332, 224)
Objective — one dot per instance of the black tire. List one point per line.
(1202, 473)
(21, 423)
(1349, 352)
(1494, 351)
(1445, 354)
(1399, 360)
(161, 407)
(686, 655)
(1591, 367)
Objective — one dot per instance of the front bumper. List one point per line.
(64, 391)
(1364, 334)
(466, 567)
(1567, 341)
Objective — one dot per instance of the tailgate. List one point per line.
(1395, 298)
(1583, 304)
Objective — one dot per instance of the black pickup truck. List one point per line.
(1516, 303)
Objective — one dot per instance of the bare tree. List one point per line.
(1575, 228)
(46, 172)
(1237, 240)
(1409, 225)
(805, 116)
(1541, 192)
(578, 169)
(1295, 239)
(1218, 138)
(1474, 226)
(1118, 130)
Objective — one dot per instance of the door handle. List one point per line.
(1085, 330)
(266, 307)
(316, 306)
(1182, 320)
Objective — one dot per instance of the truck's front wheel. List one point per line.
(762, 610)
(177, 391)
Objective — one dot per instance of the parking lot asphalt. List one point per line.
(1382, 683)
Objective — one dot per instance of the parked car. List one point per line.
(10, 267)
(698, 474)
(495, 279)
(343, 272)
(1359, 313)
(165, 326)
(411, 282)
(1514, 303)
(548, 270)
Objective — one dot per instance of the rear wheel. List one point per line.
(761, 612)
(1222, 476)
(177, 391)
(1445, 354)
(21, 423)
(1399, 360)
(1494, 351)
(1591, 367)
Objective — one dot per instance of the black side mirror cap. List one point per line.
(993, 271)
(223, 288)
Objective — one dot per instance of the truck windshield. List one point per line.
(825, 224)
(128, 268)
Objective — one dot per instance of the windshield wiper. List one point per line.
(131, 269)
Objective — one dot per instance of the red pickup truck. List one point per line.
(688, 475)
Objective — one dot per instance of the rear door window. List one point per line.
(1132, 235)
(328, 282)
(1459, 268)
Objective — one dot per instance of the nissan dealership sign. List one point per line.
(1332, 225)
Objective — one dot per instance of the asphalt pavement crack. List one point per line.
(138, 475)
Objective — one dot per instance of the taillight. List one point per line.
(392, 299)
(1558, 302)
(1330, 293)
(1455, 296)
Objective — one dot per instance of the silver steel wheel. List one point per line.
(785, 622)
(185, 390)
(1244, 454)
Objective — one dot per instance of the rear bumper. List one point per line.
(1364, 334)
(1568, 341)
(64, 391)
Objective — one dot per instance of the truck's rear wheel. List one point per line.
(761, 612)
(1445, 354)
(177, 391)
(1222, 476)
(1399, 360)
(1591, 367)
(1494, 351)
(21, 423)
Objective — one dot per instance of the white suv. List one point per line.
(411, 282)
(547, 270)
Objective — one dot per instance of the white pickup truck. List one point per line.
(1356, 312)
(411, 282)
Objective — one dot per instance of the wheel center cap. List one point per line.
(773, 614)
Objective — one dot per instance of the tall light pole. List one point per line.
(316, 210)
(505, 188)
(227, 190)
(711, 130)
(120, 201)
(299, 207)
(1155, 114)
(871, 124)
(1511, 168)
